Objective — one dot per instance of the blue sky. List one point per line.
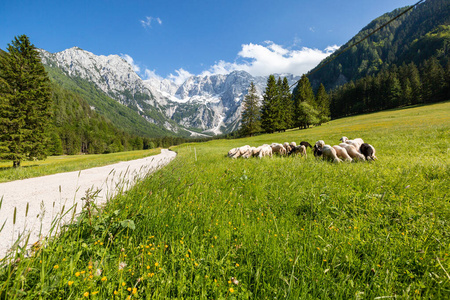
(174, 39)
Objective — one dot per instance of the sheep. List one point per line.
(320, 143)
(287, 146)
(306, 144)
(368, 151)
(327, 152)
(355, 142)
(291, 146)
(248, 153)
(342, 153)
(298, 149)
(352, 151)
(237, 152)
(264, 150)
(278, 148)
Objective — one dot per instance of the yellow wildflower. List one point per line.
(231, 290)
(70, 283)
(104, 278)
(55, 267)
(86, 294)
(77, 274)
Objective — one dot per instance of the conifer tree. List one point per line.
(286, 104)
(270, 107)
(304, 104)
(25, 102)
(250, 120)
(323, 105)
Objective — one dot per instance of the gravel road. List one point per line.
(47, 196)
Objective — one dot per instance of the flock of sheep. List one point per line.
(348, 150)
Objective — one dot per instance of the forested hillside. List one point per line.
(415, 37)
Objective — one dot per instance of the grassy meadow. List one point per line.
(67, 163)
(210, 227)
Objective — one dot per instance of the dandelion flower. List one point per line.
(77, 274)
(237, 265)
(55, 267)
(94, 293)
(134, 291)
(116, 292)
(104, 278)
(231, 290)
(70, 283)
(86, 294)
(156, 264)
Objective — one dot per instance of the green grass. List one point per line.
(286, 227)
(66, 163)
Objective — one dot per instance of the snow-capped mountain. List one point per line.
(210, 104)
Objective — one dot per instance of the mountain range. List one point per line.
(201, 106)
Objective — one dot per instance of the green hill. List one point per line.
(416, 36)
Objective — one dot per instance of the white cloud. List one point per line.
(181, 77)
(151, 74)
(147, 23)
(263, 60)
(130, 60)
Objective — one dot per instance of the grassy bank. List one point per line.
(209, 227)
(67, 163)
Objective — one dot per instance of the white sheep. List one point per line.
(248, 153)
(264, 150)
(237, 152)
(352, 151)
(278, 148)
(328, 152)
(320, 143)
(355, 142)
(342, 153)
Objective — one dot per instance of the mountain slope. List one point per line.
(403, 40)
(209, 104)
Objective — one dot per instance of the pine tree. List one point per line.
(323, 105)
(286, 104)
(250, 120)
(25, 102)
(270, 107)
(303, 93)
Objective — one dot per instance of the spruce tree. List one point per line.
(270, 107)
(303, 93)
(25, 102)
(250, 120)
(286, 104)
(323, 105)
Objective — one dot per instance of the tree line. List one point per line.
(280, 109)
(394, 87)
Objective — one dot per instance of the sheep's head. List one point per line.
(317, 151)
(343, 139)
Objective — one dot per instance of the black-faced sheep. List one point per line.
(327, 152)
(368, 151)
(298, 149)
(342, 153)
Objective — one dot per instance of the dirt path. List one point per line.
(49, 195)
